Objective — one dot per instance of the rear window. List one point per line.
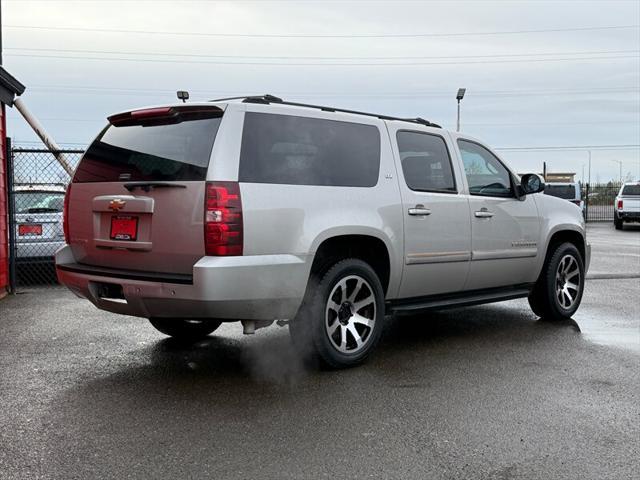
(631, 190)
(39, 202)
(179, 151)
(568, 192)
(292, 150)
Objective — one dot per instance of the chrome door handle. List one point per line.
(419, 210)
(484, 213)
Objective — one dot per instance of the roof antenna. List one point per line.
(183, 95)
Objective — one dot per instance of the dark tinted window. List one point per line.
(425, 162)
(39, 202)
(179, 151)
(308, 151)
(485, 174)
(631, 190)
(568, 192)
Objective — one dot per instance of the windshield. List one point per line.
(631, 190)
(568, 192)
(39, 202)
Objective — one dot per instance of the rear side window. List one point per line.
(179, 151)
(286, 149)
(568, 192)
(631, 190)
(426, 163)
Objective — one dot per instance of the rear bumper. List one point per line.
(631, 216)
(260, 287)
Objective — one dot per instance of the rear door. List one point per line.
(437, 232)
(137, 198)
(505, 230)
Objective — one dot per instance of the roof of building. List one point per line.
(10, 86)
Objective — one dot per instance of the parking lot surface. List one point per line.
(484, 392)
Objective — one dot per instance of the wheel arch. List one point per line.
(366, 246)
(565, 233)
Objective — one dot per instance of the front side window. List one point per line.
(285, 149)
(485, 174)
(426, 164)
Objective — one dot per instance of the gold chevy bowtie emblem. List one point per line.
(116, 204)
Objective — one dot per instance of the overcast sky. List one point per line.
(537, 73)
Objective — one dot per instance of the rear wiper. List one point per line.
(148, 186)
(42, 210)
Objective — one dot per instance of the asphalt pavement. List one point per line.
(488, 392)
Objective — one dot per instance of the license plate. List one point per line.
(124, 228)
(24, 230)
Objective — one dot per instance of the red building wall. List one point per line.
(4, 241)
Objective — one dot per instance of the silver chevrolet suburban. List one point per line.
(258, 209)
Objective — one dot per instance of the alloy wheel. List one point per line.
(350, 314)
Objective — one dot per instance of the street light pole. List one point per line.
(459, 96)
(619, 162)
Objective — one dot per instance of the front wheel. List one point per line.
(558, 291)
(341, 319)
(184, 329)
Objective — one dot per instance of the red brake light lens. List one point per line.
(151, 112)
(223, 226)
(619, 204)
(164, 115)
(65, 214)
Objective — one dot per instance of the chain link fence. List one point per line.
(37, 185)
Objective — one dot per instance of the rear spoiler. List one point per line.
(165, 115)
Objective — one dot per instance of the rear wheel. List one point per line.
(558, 291)
(185, 329)
(340, 321)
(617, 222)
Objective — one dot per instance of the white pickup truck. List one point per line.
(627, 205)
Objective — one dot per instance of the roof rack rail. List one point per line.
(267, 99)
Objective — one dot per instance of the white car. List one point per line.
(627, 205)
(257, 209)
(566, 190)
(38, 222)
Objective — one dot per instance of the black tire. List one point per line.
(183, 329)
(547, 299)
(310, 329)
(617, 222)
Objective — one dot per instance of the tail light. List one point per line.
(619, 204)
(65, 214)
(577, 202)
(223, 228)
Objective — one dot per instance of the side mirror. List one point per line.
(531, 183)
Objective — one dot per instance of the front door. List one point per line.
(505, 229)
(437, 229)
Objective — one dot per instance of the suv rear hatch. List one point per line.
(137, 197)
